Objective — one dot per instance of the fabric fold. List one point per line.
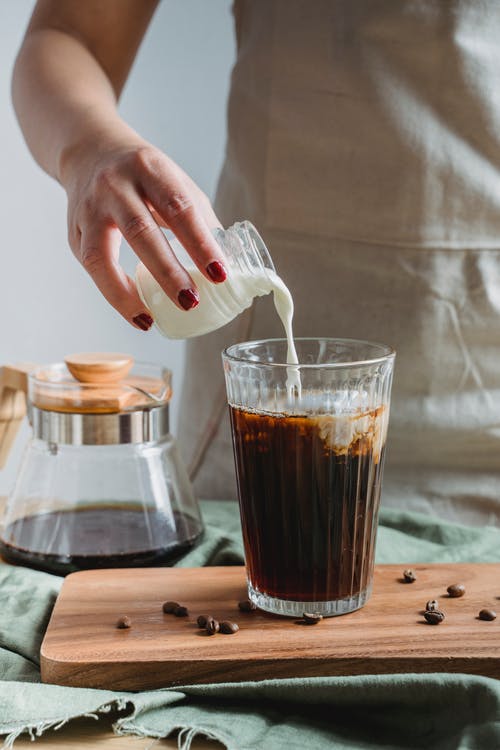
(441, 711)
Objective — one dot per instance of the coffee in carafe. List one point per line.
(101, 484)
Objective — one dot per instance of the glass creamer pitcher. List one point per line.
(250, 274)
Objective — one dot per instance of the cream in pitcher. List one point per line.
(250, 274)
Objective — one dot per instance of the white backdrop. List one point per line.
(176, 98)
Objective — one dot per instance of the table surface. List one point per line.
(81, 734)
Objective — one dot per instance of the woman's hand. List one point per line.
(66, 83)
(124, 187)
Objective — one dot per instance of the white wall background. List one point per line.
(176, 98)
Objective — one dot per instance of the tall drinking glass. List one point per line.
(309, 444)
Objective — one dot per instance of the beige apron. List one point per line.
(364, 143)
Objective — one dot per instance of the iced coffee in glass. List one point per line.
(309, 443)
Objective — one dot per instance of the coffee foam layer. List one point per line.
(355, 433)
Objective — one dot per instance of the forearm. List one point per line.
(71, 68)
(62, 97)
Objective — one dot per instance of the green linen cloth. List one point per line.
(442, 711)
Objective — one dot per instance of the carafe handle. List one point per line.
(13, 390)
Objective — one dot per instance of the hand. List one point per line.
(126, 187)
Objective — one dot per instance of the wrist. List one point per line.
(93, 140)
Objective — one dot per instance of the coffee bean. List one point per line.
(124, 622)
(311, 618)
(168, 607)
(434, 617)
(432, 605)
(180, 611)
(212, 626)
(487, 614)
(456, 590)
(247, 606)
(202, 621)
(409, 576)
(228, 628)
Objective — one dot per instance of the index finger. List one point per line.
(173, 203)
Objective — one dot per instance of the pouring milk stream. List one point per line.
(250, 274)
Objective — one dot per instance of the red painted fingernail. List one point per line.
(188, 298)
(144, 321)
(216, 271)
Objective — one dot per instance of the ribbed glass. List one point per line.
(309, 468)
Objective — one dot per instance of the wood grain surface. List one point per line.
(82, 734)
(83, 648)
(102, 367)
(13, 389)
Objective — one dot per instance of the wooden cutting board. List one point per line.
(83, 648)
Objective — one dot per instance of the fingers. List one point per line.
(177, 201)
(128, 192)
(141, 231)
(203, 203)
(98, 253)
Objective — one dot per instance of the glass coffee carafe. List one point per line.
(101, 483)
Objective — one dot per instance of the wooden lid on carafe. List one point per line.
(98, 383)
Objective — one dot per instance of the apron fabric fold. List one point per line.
(364, 144)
